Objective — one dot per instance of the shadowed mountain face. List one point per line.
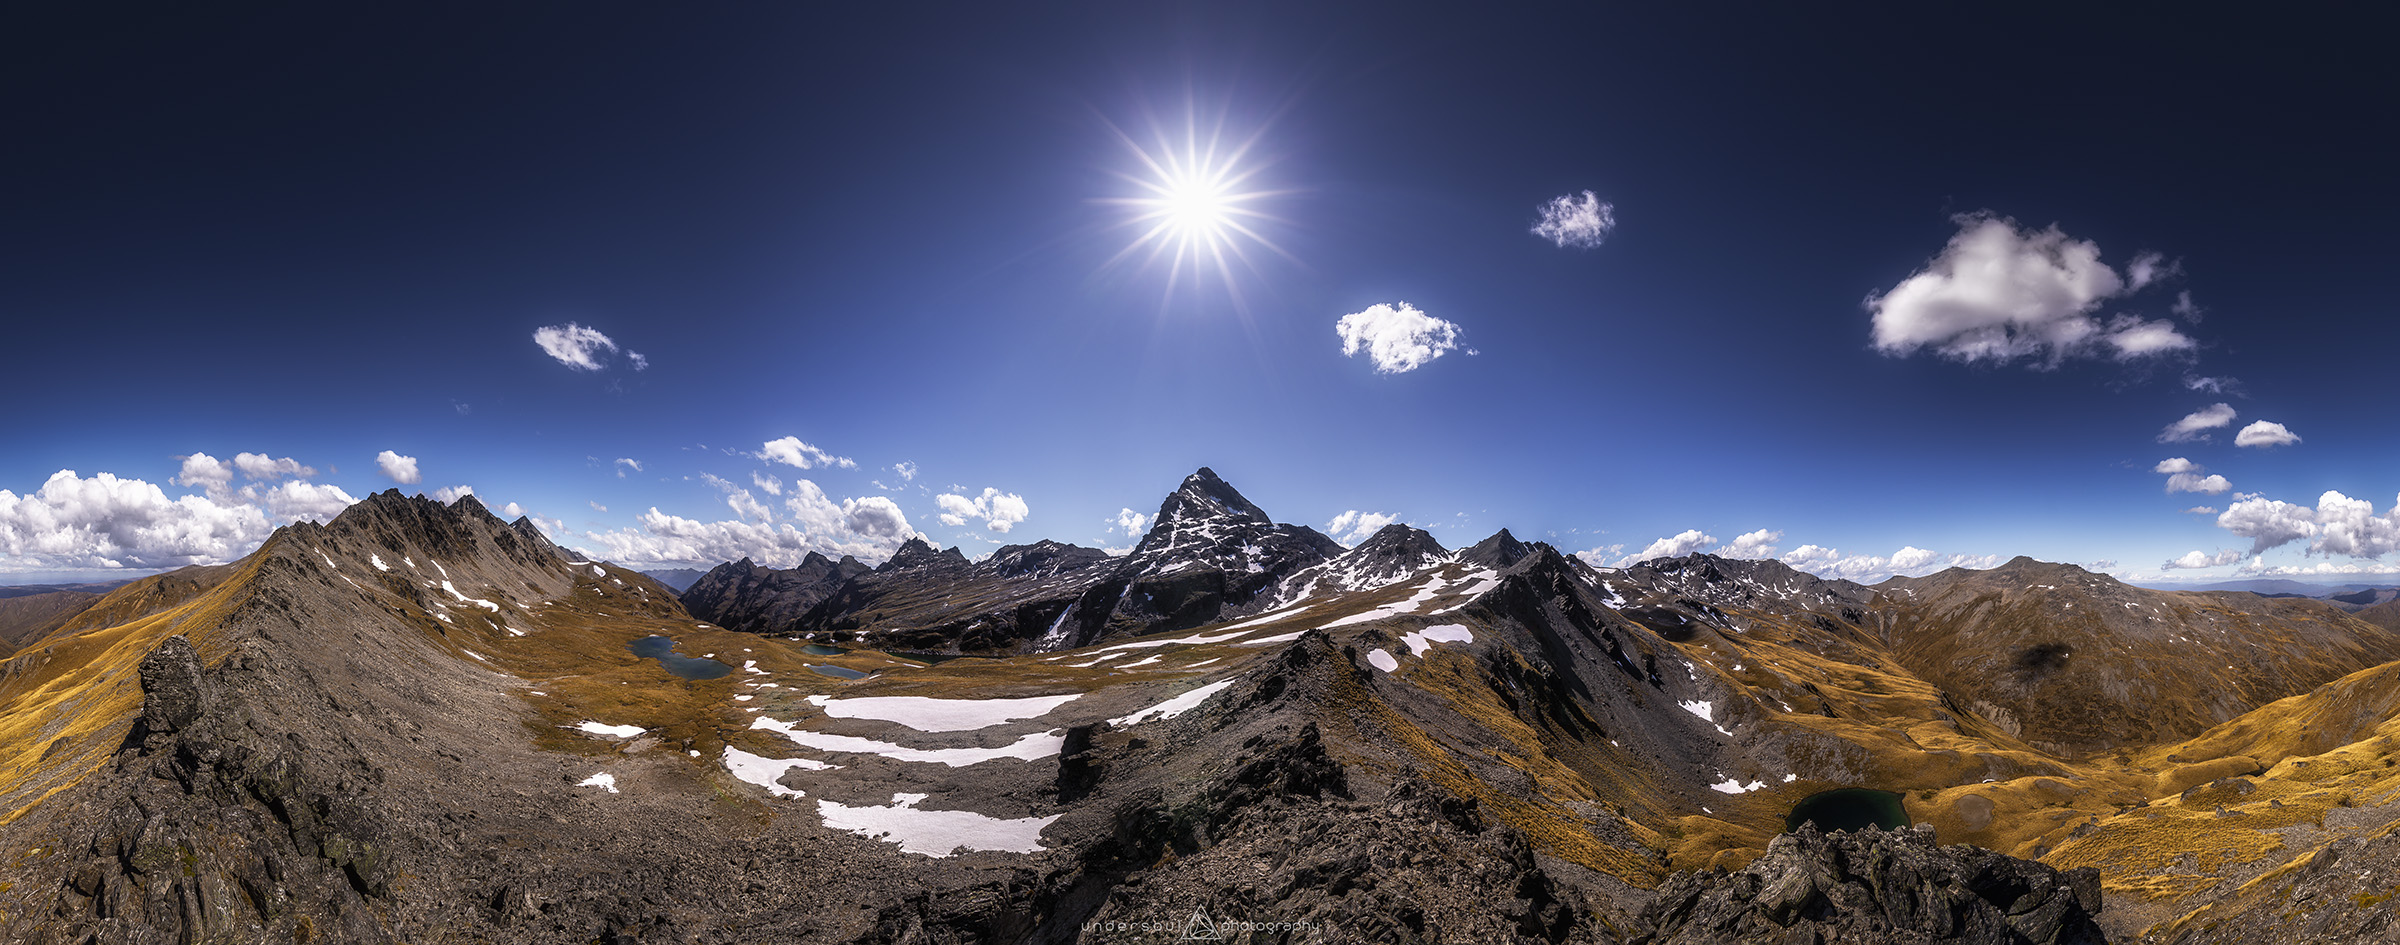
(1210, 553)
(417, 723)
(28, 618)
(744, 596)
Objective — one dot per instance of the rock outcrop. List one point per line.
(1872, 886)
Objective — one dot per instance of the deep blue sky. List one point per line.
(316, 232)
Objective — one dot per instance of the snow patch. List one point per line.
(602, 780)
(612, 731)
(1707, 711)
(936, 833)
(1382, 660)
(941, 715)
(1175, 706)
(1422, 640)
(477, 601)
(377, 561)
(762, 770)
(1732, 786)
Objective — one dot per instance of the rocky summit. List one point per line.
(418, 723)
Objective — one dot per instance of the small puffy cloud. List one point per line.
(624, 464)
(1605, 556)
(205, 471)
(2265, 434)
(907, 470)
(511, 511)
(1911, 558)
(766, 483)
(999, 511)
(2129, 337)
(398, 468)
(1580, 221)
(2149, 267)
(2202, 559)
(1132, 523)
(1998, 293)
(1354, 526)
(1398, 338)
(2185, 309)
(595, 504)
(2201, 510)
(258, 466)
(449, 494)
(583, 349)
(1672, 546)
(790, 451)
(2195, 426)
(2183, 475)
(296, 500)
(1752, 545)
(2213, 385)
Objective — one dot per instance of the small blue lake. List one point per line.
(837, 672)
(662, 649)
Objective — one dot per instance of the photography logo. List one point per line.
(1200, 928)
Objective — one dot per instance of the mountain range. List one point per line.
(420, 723)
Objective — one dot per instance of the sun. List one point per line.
(1194, 204)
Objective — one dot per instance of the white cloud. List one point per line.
(511, 511)
(296, 500)
(1911, 558)
(790, 451)
(398, 468)
(2213, 385)
(205, 471)
(766, 483)
(448, 494)
(2202, 559)
(2134, 338)
(2263, 434)
(1672, 546)
(907, 470)
(2259, 567)
(2195, 426)
(1000, 511)
(870, 528)
(2186, 309)
(2000, 294)
(1752, 545)
(2350, 527)
(596, 506)
(1605, 556)
(1132, 523)
(584, 349)
(257, 466)
(2183, 475)
(622, 464)
(108, 522)
(2268, 523)
(1582, 222)
(2201, 510)
(1827, 562)
(1398, 338)
(1354, 526)
(2149, 267)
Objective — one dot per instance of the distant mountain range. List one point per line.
(420, 723)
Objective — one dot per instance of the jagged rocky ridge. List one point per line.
(377, 735)
(1210, 553)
